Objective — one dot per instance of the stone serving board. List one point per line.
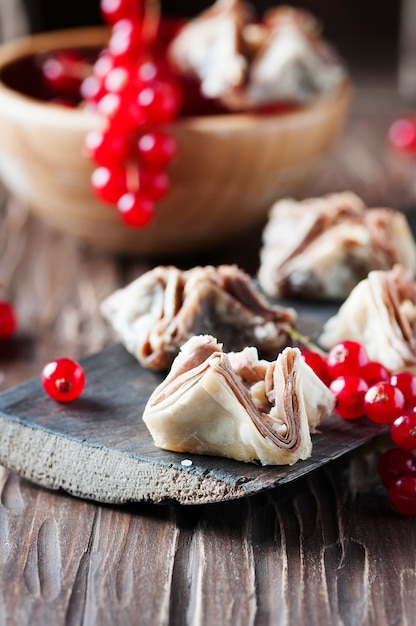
(98, 447)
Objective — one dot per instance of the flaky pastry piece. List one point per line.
(380, 313)
(211, 47)
(246, 64)
(159, 311)
(322, 247)
(238, 406)
(294, 63)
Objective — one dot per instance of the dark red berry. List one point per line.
(125, 41)
(375, 372)
(383, 403)
(64, 71)
(394, 463)
(402, 495)
(406, 382)
(108, 147)
(156, 149)
(349, 392)
(403, 431)
(135, 209)
(317, 363)
(109, 184)
(116, 10)
(63, 379)
(346, 358)
(8, 320)
(159, 100)
(154, 184)
(402, 134)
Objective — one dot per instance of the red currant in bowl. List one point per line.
(218, 178)
(63, 379)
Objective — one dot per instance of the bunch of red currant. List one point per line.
(132, 87)
(365, 387)
(134, 91)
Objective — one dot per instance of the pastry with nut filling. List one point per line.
(320, 248)
(159, 311)
(238, 406)
(380, 313)
(248, 64)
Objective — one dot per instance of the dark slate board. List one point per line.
(98, 448)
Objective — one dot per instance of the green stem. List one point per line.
(295, 335)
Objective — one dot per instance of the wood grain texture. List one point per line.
(324, 550)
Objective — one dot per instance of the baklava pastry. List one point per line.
(380, 313)
(238, 406)
(211, 49)
(294, 63)
(321, 248)
(159, 311)
(248, 64)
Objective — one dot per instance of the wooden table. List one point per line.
(325, 550)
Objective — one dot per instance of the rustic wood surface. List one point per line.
(326, 549)
(98, 447)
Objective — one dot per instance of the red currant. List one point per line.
(92, 90)
(109, 184)
(403, 431)
(123, 112)
(8, 320)
(383, 403)
(64, 71)
(394, 463)
(132, 87)
(155, 185)
(374, 372)
(147, 71)
(402, 134)
(317, 363)
(63, 379)
(159, 100)
(107, 147)
(406, 382)
(402, 495)
(156, 149)
(135, 209)
(349, 392)
(125, 41)
(117, 79)
(346, 359)
(115, 10)
(104, 64)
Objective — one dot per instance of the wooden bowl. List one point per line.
(229, 168)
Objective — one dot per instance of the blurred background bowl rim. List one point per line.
(28, 45)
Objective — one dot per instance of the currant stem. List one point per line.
(295, 335)
(151, 19)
